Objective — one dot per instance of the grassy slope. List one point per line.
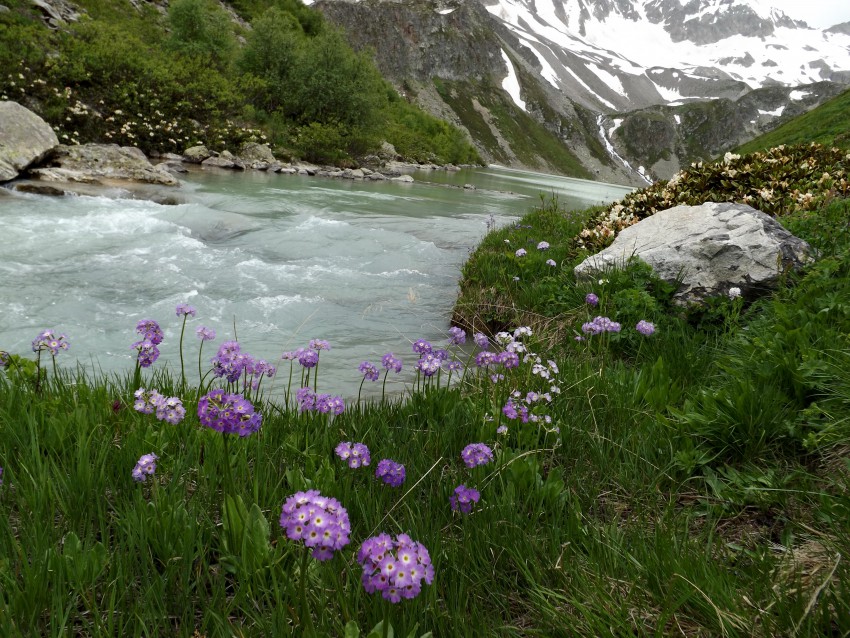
(828, 124)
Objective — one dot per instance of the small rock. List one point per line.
(469, 187)
(404, 179)
(196, 154)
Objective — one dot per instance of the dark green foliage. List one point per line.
(202, 30)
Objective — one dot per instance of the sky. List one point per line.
(817, 13)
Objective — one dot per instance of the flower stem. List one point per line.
(182, 369)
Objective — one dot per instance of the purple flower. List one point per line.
(390, 472)
(429, 364)
(543, 245)
(391, 363)
(147, 352)
(600, 325)
(457, 336)
(369, 371)
(591, 299)
(395, 568)
(170, 410)
(145, 466)
(454, 365)
(184, 309)
(1, 476)
(319, 521)
(230, 362)
(481, 340)
(150, 331)
(327, 404)
(49, 340)
(146, 401)
(502, 429)
(205, 334)
(4, 358)
(356, 454)
(319, 344)
(521, 252)
(509, 410)
(551, 262)
(308, 358)
(509, 359)
(228, 413)
(476, 454)
(486, 358)
(306, 399)
(645, 327)
(464, 498)
(420, 346)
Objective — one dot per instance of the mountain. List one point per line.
(634, 89)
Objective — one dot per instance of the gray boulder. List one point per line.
(253, 152)
(196, 154)
(708, 248)
(25, 139)
(102, 162)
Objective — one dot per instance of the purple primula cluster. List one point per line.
(1, 476)
(521, 252)
(645, 327)
(421, 346)
(168, 409)
(355, 454)
(320, 521)
(145, 467)
(205, 334)
(551, 262)
(395, 568)
(390, 472)
(50, 341)
(307, 357)
(543, 245)
(476, 454)
(390, 362)
(228, 413)
(231, 363)
(591, 299)
(521, 407)
(185, 310)
(464, 498)
(309, 401)
(457, 336)
(600, 325)
(146, 348)
(369, 371)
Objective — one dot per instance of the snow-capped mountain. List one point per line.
(615, 55)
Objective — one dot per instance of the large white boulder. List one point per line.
(25, 139)
(709, 249)
(100, 162)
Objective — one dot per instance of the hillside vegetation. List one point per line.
(218, 74)
(828, 124)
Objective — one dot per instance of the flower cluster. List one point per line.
(543, 245)
(390, 362)
(205, 334)
(476, 454)
(168, 409)
(228, 413)
(369, 371)
(520, 406)
(390, 472)
(464, 498)
(396, 568)
(356, 454)
(145, 466)
(645, 327)
(147, 352)
(48, 340)
(309, 401)
(457, 336)
(320, 521)
(150, 331)
(600, 325)
(521, 252)
(184, 310)
(591, 299)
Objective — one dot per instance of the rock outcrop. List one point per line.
(707, 250)
(101, 162)
(25, 139)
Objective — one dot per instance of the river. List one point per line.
(275, 260)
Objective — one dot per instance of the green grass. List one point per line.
(827, 124)
(694, 482)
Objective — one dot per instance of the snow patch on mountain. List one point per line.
(511, 83)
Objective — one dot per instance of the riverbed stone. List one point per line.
(253, 152)
(196, 154)
(25, 139)
(98, 162)
(706, 250)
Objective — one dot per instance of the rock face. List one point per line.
(24, 139)
(708, 248)
(97, 162)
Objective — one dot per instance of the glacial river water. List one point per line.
(276, 260)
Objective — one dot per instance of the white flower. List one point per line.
(734, 292)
